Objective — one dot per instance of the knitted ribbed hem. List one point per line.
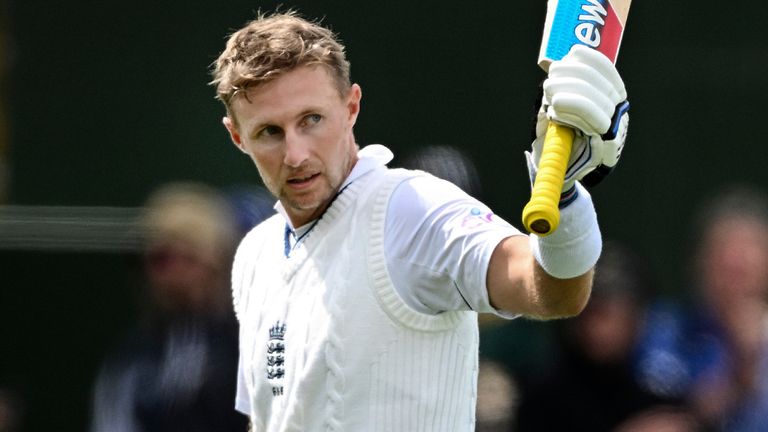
(575, 245)
(388, 298)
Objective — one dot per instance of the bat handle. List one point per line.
(541, 215)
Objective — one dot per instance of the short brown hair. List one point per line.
(275, 44)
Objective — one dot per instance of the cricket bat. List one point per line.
(598, 24)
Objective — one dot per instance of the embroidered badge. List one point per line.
(276, 357)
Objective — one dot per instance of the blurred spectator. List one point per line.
(251, 205)
(593, 385)
(447, 163)
(496, 397)
(176, 371)
(713, 351)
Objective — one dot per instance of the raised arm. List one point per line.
(551, 277)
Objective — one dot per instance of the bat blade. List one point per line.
(598, 24)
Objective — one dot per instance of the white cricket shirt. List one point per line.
(435, 235)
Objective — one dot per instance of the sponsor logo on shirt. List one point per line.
(476, 217)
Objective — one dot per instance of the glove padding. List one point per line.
(584, 91)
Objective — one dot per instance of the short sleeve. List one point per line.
(438, 243)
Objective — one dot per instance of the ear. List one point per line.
(353, 103)
(233, 133)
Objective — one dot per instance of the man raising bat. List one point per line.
(358, 300)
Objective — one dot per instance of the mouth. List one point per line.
(302, 181)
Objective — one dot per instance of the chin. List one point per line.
(302, 206)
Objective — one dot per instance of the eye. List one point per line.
(312, 119)
(270, 131)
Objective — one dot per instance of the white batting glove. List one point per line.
(585, 91)
(582, 90)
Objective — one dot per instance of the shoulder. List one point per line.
(272, 227)
(264, 237)
(437, 210)
(427, 190)
(421, 196)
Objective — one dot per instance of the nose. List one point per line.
(296, 149)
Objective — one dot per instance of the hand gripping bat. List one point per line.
(598, 24)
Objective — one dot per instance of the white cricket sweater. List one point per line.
(326, 342)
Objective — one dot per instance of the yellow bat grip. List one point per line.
(541, 215)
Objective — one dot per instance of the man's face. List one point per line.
(298, 131)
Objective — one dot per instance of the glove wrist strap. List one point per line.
(567, 197)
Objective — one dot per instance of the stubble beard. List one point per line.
(312, 204)
(309, 205)
(316, 206)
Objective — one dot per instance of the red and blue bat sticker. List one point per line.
(594, 23)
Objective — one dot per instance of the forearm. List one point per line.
(560, 298)
(564, 261)
(518, 284)
(548, 277)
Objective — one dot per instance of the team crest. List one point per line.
(276, 357)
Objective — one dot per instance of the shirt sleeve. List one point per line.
(438, 243)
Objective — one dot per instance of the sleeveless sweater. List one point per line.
(326, 342)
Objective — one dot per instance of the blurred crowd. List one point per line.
(176, 369)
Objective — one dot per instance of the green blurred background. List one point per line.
(104, 100)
